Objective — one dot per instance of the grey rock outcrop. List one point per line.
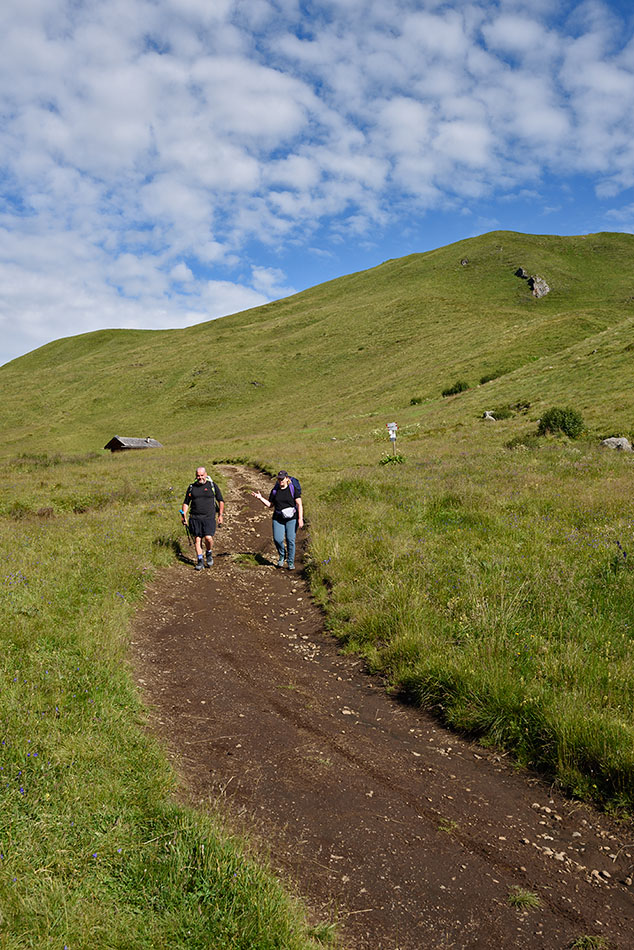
(538, 286)
(620, 443)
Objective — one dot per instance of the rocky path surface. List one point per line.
(410, 837)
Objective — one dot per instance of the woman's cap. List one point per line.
(282, 474)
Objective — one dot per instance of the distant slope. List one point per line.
(367, 342)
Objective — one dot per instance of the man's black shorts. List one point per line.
(202, 527)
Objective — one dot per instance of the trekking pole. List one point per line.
(189, 534)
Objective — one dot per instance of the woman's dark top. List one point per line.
(282, 498)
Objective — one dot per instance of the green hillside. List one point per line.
(484, 572)
(363, 343)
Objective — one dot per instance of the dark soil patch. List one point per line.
(411, 837)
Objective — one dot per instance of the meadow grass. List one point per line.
(94, 849)
(491, 585)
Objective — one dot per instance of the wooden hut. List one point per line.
(120, 443)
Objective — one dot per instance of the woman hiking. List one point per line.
(288, 515)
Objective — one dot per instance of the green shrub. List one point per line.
(458, 387)
(566, 420)
(387, 459)
(491, 376)
(415, 401)
(502, 412)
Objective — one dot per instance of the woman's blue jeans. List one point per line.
(285, 531)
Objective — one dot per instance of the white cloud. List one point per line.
(221, 297)
(521, 36)
(295, 171)
(441, 36)
(465, 143)
(622, 214)
(403, 125)
(271, 282)
(181, 274)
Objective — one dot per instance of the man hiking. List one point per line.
(202, 496)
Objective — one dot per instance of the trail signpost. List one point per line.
(392, 430)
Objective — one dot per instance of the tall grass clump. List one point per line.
(489, 377)
(460, 386)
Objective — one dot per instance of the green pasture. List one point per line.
(491, 584)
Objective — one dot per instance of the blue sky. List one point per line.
(165, 162)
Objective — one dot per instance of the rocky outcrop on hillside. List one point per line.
(620, 443)
(538, 286)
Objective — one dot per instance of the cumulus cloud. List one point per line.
(148, 149)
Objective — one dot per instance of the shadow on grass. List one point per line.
(187, 555)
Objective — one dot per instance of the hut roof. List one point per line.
(119, 442)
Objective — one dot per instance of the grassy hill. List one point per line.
(364, 343)
(491, 584)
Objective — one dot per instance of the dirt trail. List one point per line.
(411, 836)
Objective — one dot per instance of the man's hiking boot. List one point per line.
(199, 565)
(209, 560)
(280, 563)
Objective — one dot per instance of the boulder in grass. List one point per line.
(489, 416)
(538, 286)
(620, 443)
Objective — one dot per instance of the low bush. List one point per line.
(503, 412)
(566, 420)
(458, 387)
(388, 459)
(491, 376)
(415, 401)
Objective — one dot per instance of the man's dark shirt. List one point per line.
(201, 499)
